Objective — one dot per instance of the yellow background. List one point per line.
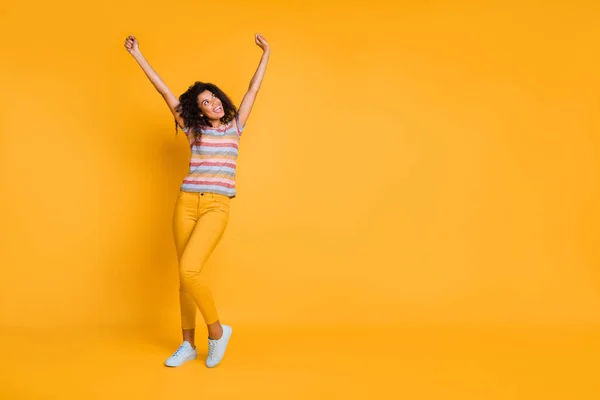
(406, 164)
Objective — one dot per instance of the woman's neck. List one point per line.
(216, 123)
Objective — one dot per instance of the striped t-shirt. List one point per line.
(213, 159)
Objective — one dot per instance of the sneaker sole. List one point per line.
(189, 358)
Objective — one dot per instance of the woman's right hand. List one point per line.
(131, 44)
(261, 42)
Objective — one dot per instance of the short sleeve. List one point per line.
(189, 134)
(239, 128)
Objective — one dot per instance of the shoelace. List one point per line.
(178, 351)
(212, 347)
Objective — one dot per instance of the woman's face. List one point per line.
(210, 105)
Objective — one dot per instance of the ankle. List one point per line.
(215, 336)
(188, 336)
(215, 333)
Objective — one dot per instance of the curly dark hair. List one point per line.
(190, 112)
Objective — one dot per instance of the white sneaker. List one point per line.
(184, 353)
(216, 348)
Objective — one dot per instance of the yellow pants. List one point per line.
(199, 222)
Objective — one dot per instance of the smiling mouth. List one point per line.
(218, 109)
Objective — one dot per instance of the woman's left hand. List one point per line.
(261, 42)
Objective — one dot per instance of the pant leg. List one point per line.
(208, 231)
(185, 218)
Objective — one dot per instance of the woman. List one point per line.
(213, 126)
